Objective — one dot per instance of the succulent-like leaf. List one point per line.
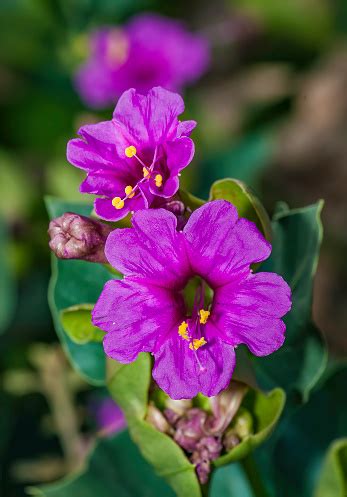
(77, 323)
(333, 478)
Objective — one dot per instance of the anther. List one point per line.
(118, 203)
(145, 172)
(197, 343)
(158, 180)
(130, 151)
(204, 315)
(129, 191)
(183, 330)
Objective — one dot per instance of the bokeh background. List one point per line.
(271, 110)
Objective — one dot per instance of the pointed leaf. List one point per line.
(77, 323)
(246, 202)
(333, 478)
(115, 468)
(301, 361)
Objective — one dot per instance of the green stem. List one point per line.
(254, 477)
(204, 490)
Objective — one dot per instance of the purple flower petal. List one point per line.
(178, 373)
(105, 210)
(185, 128)
(221, 245)
(151, 119)
(152, 249)
(134, 314)
(249, 312)
(103, 183)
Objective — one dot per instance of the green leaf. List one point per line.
(129, 387)
(299, 364)
(303, 442)
(247, 204)
(167, 458)
(7, 280)
(72, 283)
(115, 468)
(333, 478)
(230, 481)
(190, 200)
(266, 410)
(77, 322)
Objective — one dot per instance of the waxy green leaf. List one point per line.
(246, 202)
(77, 323)
(333, 478)
(74, 282)
(300, 362)
(115, 468)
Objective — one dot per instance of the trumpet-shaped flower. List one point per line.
(149, 51)
(193, 340)
(137, 156)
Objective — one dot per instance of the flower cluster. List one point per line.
(150, 50)
(189, 295)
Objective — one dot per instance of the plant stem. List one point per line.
(204, 490)
(254, 478)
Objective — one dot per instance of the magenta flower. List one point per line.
(193, 346)
(149, 51)
(137, 156)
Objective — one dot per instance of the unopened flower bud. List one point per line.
(203, 467)
(78, 237)
(207, 449)
(225, 406)
(171, 416)
(178, 406)
(178, 208)
(156, 419)
(230, 440)
(190, 429)
(212, 445)
(243, 423)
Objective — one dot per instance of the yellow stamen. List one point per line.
(197, 343)
(130, 151)
(118, 203)
(145, 172)
(158, 180)
(204, 316)
(128, 189)
(183, 330)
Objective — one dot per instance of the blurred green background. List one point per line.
(272, 111)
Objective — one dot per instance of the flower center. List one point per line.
(192, 329)
(130, 191)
